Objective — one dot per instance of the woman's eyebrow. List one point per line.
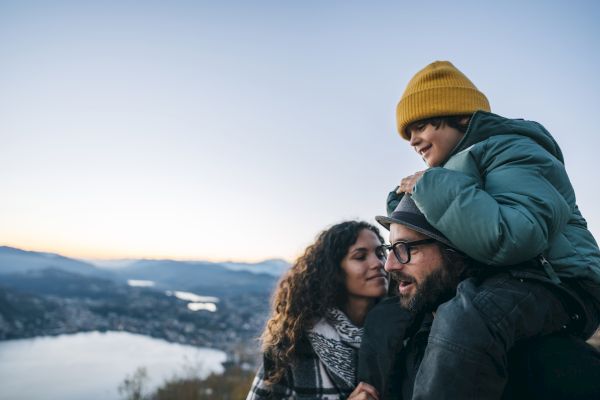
(360, 249)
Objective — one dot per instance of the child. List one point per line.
(498, 190)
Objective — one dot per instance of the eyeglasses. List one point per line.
(402, 250)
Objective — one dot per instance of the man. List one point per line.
(427, 271)
(498, 189)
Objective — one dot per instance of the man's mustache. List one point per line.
(398, 276)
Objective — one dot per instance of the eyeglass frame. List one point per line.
(407, 247)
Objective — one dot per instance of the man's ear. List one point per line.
(453, 253)
(463, 264)
(455, 256)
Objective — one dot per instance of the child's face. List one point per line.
(434, 144)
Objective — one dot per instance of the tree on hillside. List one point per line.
(233, 384)
(133, 386)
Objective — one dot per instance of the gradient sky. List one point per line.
(238, 130)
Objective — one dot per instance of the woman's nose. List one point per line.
(377, 262)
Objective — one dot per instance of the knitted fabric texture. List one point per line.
(336, 341)
(438, 90)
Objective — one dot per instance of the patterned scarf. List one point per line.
(336, 341)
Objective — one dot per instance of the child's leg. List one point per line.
(466, 356)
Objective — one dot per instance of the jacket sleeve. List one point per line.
(260, 390)
(393, 200)
(385, 329)
(499, 205)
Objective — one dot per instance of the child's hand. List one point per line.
(407, 184)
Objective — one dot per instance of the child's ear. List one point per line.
(465, 120)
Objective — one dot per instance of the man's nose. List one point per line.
(392, 264)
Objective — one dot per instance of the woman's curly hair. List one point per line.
(314, 284)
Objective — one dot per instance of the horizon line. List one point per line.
(164, 257)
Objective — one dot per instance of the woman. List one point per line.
(311, 341)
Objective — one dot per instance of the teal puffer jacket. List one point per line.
(503, 197)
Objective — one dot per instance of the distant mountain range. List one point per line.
(275, 267)
(49, 294)
(13, 260)
(201, 276)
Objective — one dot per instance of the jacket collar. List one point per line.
(484, 125)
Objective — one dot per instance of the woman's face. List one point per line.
(363, 267)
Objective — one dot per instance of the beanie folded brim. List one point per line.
(438, 102)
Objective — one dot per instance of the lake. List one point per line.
(92, 365)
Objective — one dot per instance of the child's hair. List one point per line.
(459, 122)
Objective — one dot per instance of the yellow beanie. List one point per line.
(438, 90)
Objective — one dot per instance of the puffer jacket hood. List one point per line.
(484, 125)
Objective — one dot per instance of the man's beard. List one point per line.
(437, 288)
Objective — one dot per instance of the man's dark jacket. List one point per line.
(558, 366)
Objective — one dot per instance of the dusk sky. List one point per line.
(239, 130)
